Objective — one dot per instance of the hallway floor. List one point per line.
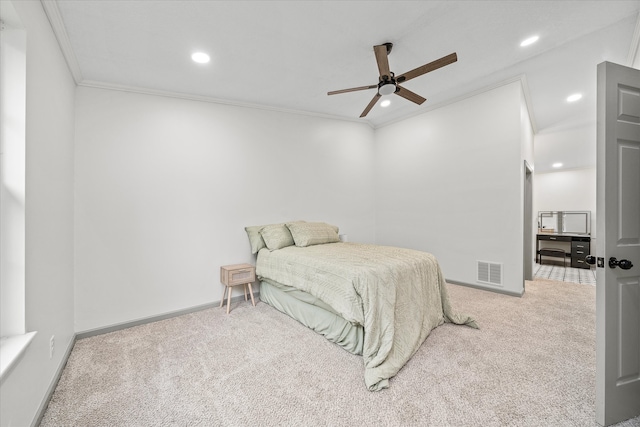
(564, 274)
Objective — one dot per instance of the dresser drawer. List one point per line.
(554, 238)
(580, 248)
(579, 263)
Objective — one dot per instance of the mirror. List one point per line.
(564, 222)
(548, 222)
(576, 222)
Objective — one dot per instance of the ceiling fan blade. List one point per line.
(353, 89)
(438, 63)
(371, 104)
(411, 96)
(382, 59)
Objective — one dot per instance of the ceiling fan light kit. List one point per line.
(387, 88)
(388, 82)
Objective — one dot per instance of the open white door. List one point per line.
(618, 245)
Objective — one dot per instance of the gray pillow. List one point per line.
(255, 239)
(313, 233)
(276, 236)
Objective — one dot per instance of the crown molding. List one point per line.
(57, 24)
(519, 78)
(200, 98)
(527, 99)
(560, 170)
(634, 49)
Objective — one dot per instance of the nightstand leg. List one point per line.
(229, 299)
(251, 292)
(224, 294)
(245, 292)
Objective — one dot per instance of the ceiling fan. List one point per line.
(388, 82)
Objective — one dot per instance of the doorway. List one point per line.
(528, 223)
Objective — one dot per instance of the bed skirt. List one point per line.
(314, 314)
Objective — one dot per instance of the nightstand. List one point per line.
(237, 274)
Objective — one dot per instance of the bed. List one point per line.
(380, 302)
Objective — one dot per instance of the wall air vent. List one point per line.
(490, 273)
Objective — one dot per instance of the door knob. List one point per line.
(590, 259)
(624, 264)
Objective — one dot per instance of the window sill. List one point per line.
(11, 350)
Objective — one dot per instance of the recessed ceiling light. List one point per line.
(200, 57)
(574, 97)
(530, 40)
(557, 165)
(385, 103)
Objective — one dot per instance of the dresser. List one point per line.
(580, 248)
(576, 246)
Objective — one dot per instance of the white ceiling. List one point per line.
(289, 54)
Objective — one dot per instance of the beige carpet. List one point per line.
(531, 364)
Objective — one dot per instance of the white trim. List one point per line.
(156, 92)
(634, 49)
(527, 99)
(57, 25)
(521, 78)
(11, 350)
(567, 169)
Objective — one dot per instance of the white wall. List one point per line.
(49, 219)
(450, 182)
(571, 190)
(165, 187)
(573, 144)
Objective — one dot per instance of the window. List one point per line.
(12, 187)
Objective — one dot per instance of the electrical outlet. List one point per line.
(52, 346)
